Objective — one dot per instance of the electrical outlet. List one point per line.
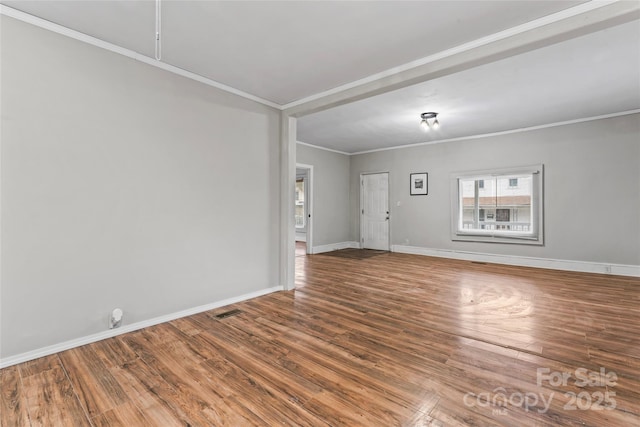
(607, 269)
(115, 319)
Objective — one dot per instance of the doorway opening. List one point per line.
(303, 201)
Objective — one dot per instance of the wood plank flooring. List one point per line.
(387, 340)
(301, 248)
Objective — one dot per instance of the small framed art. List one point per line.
(419, 184)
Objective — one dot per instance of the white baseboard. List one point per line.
(335, 247)
(553, 264)
(301, 237)
(56, 348)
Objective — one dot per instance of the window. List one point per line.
(299, 201)
(502, 206)
(502, 214)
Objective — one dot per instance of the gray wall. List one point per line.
(330, 194)
(592, 189)
(125, 186)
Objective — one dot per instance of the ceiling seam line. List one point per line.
(94, 41)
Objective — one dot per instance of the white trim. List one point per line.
(504, 132)
(510, 32)
(56, 348)
(288, 131)
(323, 148)
(1, 210)
(335, 247)
(522, 261)
(59, 29)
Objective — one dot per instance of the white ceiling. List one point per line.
(593, 75)
(283, 51)
(286, 51)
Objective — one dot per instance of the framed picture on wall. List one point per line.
(419, 184)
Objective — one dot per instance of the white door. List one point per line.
(374, 211)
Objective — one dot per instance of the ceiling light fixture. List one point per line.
(435, 124)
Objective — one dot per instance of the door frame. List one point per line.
(361, 207)
(309, 205)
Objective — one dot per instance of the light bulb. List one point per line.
(424, 125)
(436, 124)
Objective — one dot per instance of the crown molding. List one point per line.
(505, 132)
(323, 148)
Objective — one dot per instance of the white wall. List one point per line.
(592, 189)
(125, 186)
(330, 194)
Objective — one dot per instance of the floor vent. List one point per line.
(478, 262)
(228, 314)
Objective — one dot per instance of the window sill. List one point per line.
(489, 238)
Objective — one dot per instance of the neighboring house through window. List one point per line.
(498, 205)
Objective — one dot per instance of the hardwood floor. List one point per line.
(301, 248)
(387, 340)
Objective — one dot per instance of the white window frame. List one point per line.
(534, 237)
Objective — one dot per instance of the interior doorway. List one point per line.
(303, 200)
(374, 211)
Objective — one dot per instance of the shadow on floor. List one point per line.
(354, 253)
